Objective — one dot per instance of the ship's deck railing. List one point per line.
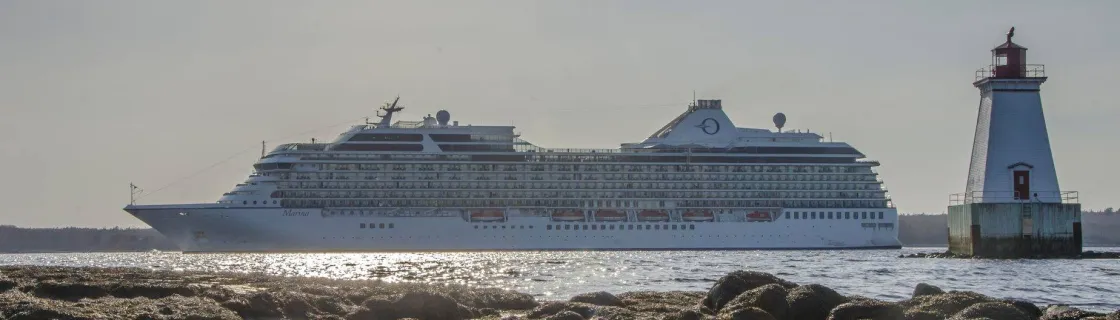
(1025, 71)
(1011, 197)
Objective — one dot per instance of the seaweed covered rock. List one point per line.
(1061, 312)
(1031, 309)
(993, 311)
(668, 302)
(734, 283)
(549, 309)
(770, 298)
(944, 305)
(601, 298)
(71, 291)
(566, 315)
(866, 309)
(923, 289)
(748, 313)
(428, 305)
(812, 302)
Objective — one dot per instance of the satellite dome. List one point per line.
(780, 120)
(443, 117)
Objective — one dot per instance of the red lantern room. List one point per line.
(1009, 61)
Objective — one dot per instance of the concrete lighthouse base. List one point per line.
(1015, 230)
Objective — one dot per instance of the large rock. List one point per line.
(770, 298)
(812, 302)
(601, 298)
(866, 309)
(923, 289)
(374, 309)
(6, 283)
(734, 283)
(1060, 312)
(749, 313)
(70, 291)
(993, 311)
(944, 305)
(1031, 309)
(428, 305)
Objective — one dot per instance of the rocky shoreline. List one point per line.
(34, 292)
(949, 255)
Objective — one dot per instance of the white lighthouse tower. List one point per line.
(1011, 158)
(1012, 206)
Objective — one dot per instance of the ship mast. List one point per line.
(389, 109)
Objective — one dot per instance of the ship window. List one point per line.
(692, 227)
(381, 226)
(390, 226)
(612, 227)
(592, 227)
(548, 227)
(657, 227)
(585, 227)
(812, 215)
(530, 227)
(787, 215)
(567, 227)
(674, 227)
(830, 215)
(630, 227)
(847, 215)
(503, 227)
(476, 227)
(880, 215)
(362, 226)
(864, 214)
(486, 227)
(647, 227)
(244, 202)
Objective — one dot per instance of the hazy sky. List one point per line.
(95, 94)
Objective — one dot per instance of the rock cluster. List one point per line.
(114, 293)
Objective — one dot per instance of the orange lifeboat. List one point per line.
(567, 216)
(653, 215)
(698, 216)
(487, 215)
(759, 216)
(610, 215)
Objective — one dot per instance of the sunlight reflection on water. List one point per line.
(558, 275)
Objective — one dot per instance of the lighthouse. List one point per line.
(1012, 205)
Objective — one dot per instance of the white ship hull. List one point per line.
(210, 228)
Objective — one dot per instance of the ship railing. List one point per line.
(1069, 197)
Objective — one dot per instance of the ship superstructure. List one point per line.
(699, 182)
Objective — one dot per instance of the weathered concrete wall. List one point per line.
(1011, 230)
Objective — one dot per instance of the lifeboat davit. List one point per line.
(567, 216)
(698, 216)
(610, 215)
(653, 215)
(487, 215)
(759, 216)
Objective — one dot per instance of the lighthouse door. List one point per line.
(1022, 185)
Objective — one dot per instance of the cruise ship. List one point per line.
(697, 183)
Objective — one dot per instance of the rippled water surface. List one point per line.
(1092, 284)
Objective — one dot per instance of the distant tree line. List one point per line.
(1101, 228)
(14, 239)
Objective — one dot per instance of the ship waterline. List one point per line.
(697, 183)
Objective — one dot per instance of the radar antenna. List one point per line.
(389, 109)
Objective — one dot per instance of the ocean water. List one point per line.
(1089, 284)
